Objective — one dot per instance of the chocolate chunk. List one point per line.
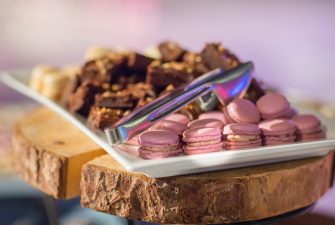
(173, 73)
(215, 56)
(171, 51)
(116, 100)
(196, 63)
(105, 69)
(100, 117)
(255, 91)
(138, 62)
(83, 98)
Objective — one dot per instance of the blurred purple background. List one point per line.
(291, 42)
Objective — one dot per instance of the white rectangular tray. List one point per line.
(180, 165)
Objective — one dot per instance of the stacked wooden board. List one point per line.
(54, 156)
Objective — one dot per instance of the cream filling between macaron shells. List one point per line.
(236, 137)
(202, 143)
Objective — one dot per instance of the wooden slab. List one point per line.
(49, 153)
(218, 197)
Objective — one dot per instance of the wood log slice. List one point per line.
(49, 153)
(208, 198)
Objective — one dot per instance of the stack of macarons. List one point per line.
(240, 125)
(309, 127)
(278, 131)
(159, 144)
(202, 140)
(242, 136)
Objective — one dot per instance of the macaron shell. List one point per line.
(286, 114)
(241, 129)
(227, 118)
(291, 112)
(206, 123)
(233, 146)
(243, 111)
(271, 105)
(179, 118)
(190, 150)
(290, 138)
(145, 154)
(277, 127)
(277, 142)
(244, 143)
(213, 115)
(319, 134)
(170, 125)
(201, 134)
(307, 123)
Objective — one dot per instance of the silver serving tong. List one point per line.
(208, 89)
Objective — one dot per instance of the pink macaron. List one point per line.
(212, 115)
(179, 118)
(241, 111)
(309, 127)
(159, 144)
(206, 123)
(242, 136)
(273, 106)
(278, 131)
(179, 128)
(202, 140)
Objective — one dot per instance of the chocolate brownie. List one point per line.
(83, 98)
(160, 75)
(105, 69)
(116, 100)
(171, 51)
(101, 117)
(138, 63)
(215, 56)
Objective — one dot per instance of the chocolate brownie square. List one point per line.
(138, 63)
(83, 98)
(116, 100)
(106, 69)
(160, 75)
(171, 51)
(101, 117)
(215, 56)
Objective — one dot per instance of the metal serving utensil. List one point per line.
(216, 85)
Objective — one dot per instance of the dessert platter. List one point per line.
(170, 111)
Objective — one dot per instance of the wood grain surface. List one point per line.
(49, 153)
